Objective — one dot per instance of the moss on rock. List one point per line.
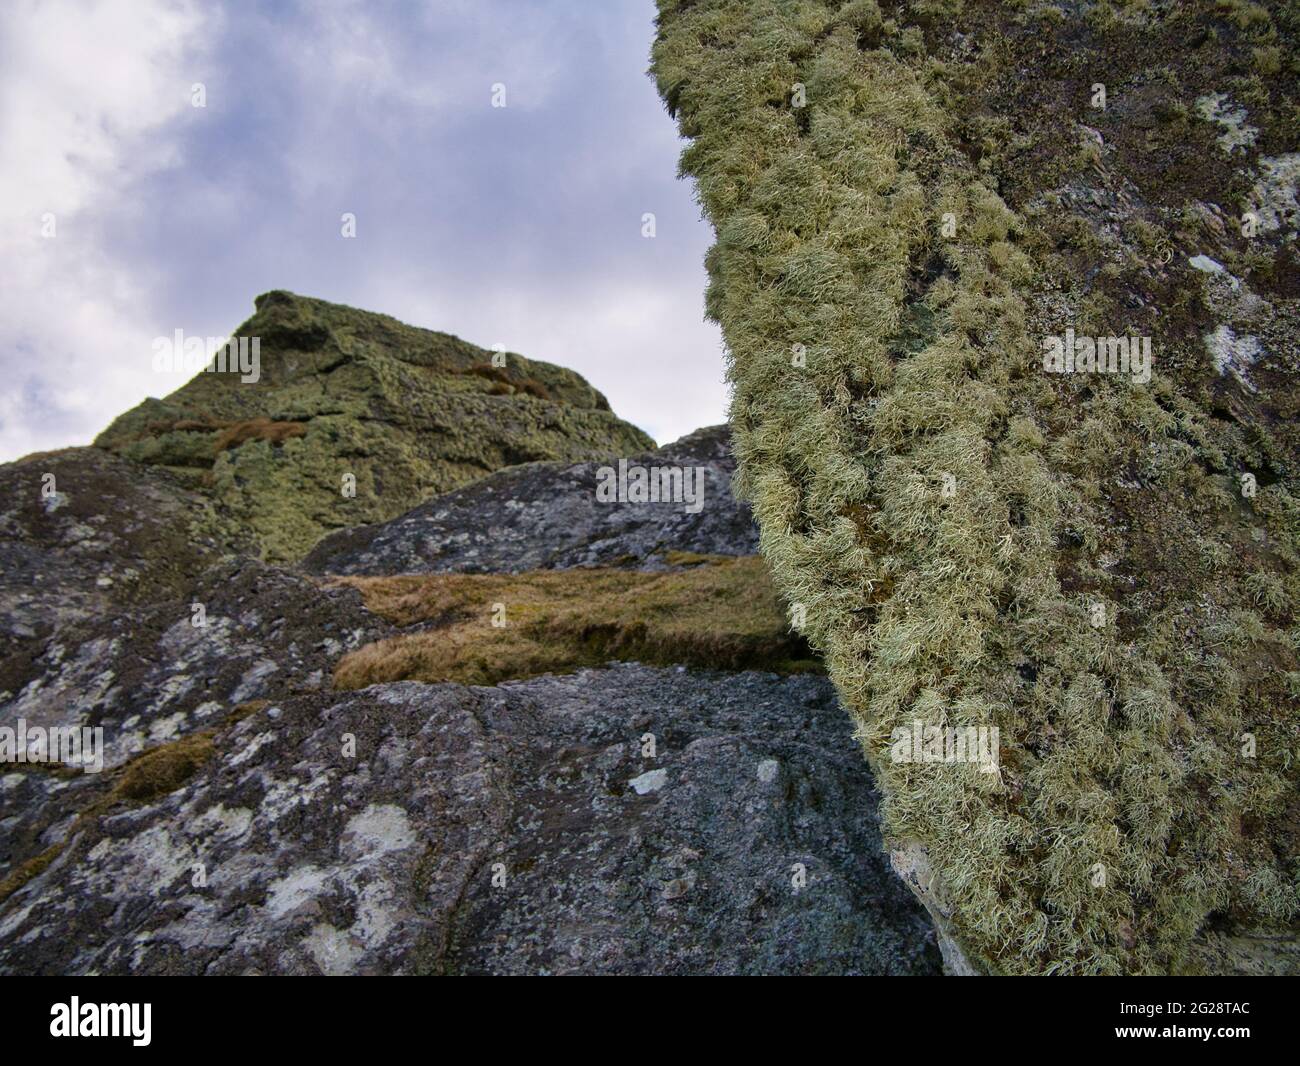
(401, 413)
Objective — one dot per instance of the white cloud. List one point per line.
(519, 226)
(86, 94)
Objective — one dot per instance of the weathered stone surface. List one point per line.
(150, 674)
(225, 747)
(547, 516)
(82, 533)
(406, 412)
(147, 676)
(317, 862)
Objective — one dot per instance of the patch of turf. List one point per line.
(481, 629)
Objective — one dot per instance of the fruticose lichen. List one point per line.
(1104, 569)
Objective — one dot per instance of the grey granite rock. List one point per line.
(619, 820)
(493, 830)
(546, 515)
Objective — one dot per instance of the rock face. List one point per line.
(1010, 297)
(250, 818)
(515, 829)
(404, 413)
(84, 533)
(547, 516)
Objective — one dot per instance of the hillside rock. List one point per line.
(250, 818)
(246, 631)
(84, 533)
(547, 516)
(515, 829)
(406, 413)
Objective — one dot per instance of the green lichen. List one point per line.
(976, 542)
(404, 413)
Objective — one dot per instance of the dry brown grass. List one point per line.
(722, 613)
(257, 429)
(505, 384)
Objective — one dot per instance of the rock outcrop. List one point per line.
(255, 815)
(355, 417)
(547, 516)
(515, 829)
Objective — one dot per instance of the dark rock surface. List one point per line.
(547, 516)
(83, 532)
(604, 861)
(230, 832)
(149, 674)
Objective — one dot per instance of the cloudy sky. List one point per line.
(127, 213)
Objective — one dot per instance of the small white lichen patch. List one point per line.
(767, 770)
(377, 916)
(250, 749)
(166, 728)
(223, 824)
(1206, 264)
(1274, 195)
(1233, 354)
(1236, 133)
(332, 950)
(250, 685)
(379, 829)
(150, 862)
(650, 781)
(207, 709)
(299, 886)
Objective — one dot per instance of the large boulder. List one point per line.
(250, 817)
(1009, 293)
(550, 516)
(525, 828)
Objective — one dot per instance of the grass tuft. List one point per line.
(719, 614)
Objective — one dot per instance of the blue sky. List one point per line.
(519, 226)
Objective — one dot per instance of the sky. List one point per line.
(127, 212)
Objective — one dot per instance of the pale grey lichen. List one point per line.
(1237, 134)
(1232, 354)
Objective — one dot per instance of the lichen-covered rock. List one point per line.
(527, 828)
(245, 631)
(917, 206)
(84, 533)
(355, 418)
(153, 674)
(548, 516)
(252, 818)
